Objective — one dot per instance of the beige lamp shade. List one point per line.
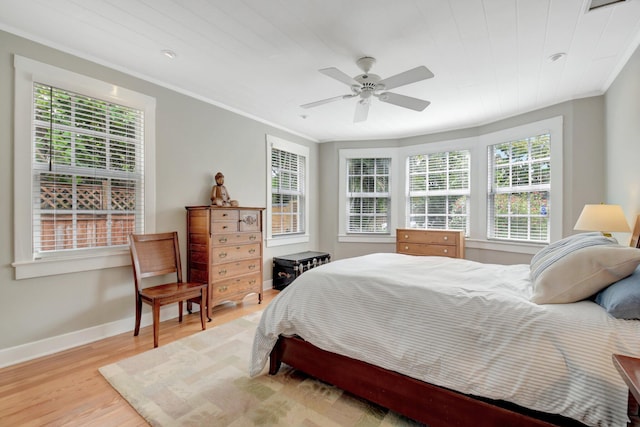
(604, 218)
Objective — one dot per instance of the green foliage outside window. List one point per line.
(519, 195)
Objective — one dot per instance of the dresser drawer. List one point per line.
(236, 288)
(222, 227)
(232, 269)
(224, 215)
(222, 254)
(436, 237)
(427, 250)
(235, 239)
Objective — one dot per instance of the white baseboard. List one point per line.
(33, 350)
(24, 352)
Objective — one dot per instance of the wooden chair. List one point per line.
(158, 255)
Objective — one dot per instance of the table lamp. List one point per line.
(603, 218)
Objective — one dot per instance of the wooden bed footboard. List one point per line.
(423, 402)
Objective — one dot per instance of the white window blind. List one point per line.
(87, 171)
(439, 190)
(519, 189)
(368, 195)
(287, 192)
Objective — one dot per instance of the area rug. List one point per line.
(203, 380)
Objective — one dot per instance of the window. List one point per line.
(84, 151)
(287, 193)
(439, 190)
(448, 184)
(519, 189)
(368, 189)
(368, 195)
(287, 204)
(87, 171)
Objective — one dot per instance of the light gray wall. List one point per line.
(193, 141)
(622, 102)
(583, 167)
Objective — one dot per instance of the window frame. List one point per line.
(27, 72)
(495, 192)
(363, 195)
(446, 193)
(394, 188)
(552, 126)
(301, 150)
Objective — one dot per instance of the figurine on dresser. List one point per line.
(219, 194)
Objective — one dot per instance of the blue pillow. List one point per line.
(622, 298)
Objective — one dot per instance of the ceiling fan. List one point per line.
(366, 85)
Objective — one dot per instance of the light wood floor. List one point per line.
(66, 388)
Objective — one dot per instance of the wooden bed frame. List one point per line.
(423, 402)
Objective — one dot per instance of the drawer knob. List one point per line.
(252, 250)
(222, 240)
(252, 281)
(446, 251)
(406, 236)
(225, 214)
(252, 237)
(446, 237)
(222, 255)
(224, 227)
(222, 272)
(406, 248)
(252, 267)
(222, 288)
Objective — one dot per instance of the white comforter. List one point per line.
(463, 325)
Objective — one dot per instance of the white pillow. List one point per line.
(578, 266)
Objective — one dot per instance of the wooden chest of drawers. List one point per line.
(224, 249)
(448, 243)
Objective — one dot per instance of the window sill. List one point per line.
(495, 245)
(287, 240)
(367, 238)
(72, 264)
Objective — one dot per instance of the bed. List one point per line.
(454, 342)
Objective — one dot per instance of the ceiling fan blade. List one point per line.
(404, 101)
(326, 101)
(362, 110)
(339, 75)
(409, 76)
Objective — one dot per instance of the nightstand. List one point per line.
(629, 369)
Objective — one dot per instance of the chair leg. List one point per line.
(180, 311)
(156, 323)
(203, 299)
(136, 330)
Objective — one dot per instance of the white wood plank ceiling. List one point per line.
(261, 57)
